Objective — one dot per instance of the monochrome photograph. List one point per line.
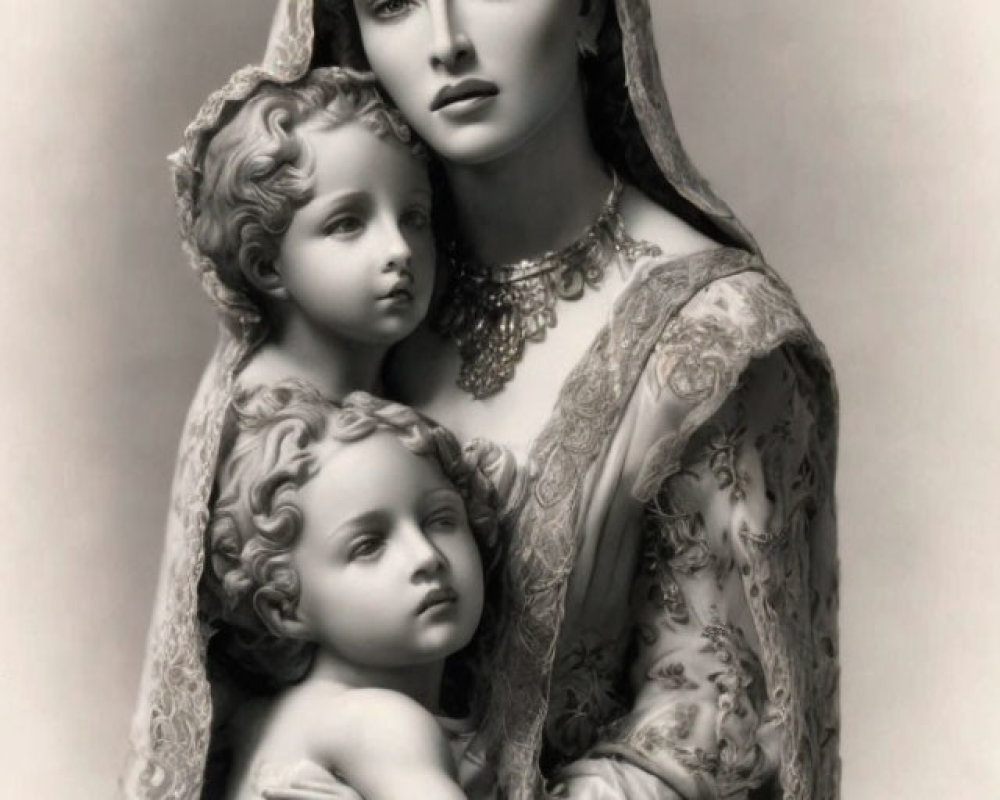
(584, 399)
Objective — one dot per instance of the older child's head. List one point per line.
(357, 528)
(315, 201)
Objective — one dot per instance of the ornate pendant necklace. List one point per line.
(493, 310)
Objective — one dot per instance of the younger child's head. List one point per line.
(357, 528)
(315, 201)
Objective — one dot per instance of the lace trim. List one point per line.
(172, 723)
(493, 311)
(587, 413)
(171, 727)
(543, 551)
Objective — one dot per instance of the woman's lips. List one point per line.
(469, 89)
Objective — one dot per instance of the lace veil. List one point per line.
(172, 722)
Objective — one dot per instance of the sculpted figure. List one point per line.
(344, 553)
(315, 204)
(668, 623)
(336, 583)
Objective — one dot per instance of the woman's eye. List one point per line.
(366, 548)
(416, 218)
(386, 9)
(345, 225)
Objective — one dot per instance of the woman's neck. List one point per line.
(334, 365)
(538, 197)
(421, 682)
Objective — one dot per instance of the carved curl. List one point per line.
(269, 454)
(257, 171)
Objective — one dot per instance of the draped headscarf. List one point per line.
(172, 724)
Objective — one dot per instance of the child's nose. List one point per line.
(397, 249)
(425, 558)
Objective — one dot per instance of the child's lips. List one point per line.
(401, 293)
(401, 290)
(444, 595)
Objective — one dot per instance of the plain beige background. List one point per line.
(859, 139)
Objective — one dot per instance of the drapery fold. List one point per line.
(674, 347)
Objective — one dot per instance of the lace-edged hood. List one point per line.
(623, 82)
(285, 64)
(626, 82)
(171, 727)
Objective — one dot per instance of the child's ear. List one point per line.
(281, 622)
(266, 278)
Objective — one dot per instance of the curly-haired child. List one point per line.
(315, 201)
(345, 553)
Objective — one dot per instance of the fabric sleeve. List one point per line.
(708, 711)
(701, 699)
(690, 554)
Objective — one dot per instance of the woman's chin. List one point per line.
(474, 144)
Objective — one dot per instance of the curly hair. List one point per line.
(258, 170)
(269, 453)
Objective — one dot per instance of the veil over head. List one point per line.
(172, 724)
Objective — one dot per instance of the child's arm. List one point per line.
(387, 747)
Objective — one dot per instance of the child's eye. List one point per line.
(385, 9)
(345, 225)
(417, 218)
(365, 548)
(440, 522)
(443, 520)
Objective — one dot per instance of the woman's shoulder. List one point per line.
(736, 290)
(717, 280)
(680, 242)
(647, 221)
(694, 280)
(736, 310)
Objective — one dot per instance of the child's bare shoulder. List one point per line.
(384, 714)
(378, 741)
(342, 721)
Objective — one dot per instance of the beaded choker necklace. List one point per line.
(493, 310)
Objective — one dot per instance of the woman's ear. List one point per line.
(279, 620)
(591, 20)
(265, 276)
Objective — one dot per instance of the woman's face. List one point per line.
(475, 78)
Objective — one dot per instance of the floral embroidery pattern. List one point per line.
(677, 540)
(723, 457)
(653, 339)
(544, 546)
(589, 683)
(671, 676)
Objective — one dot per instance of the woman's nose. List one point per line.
(450, 46)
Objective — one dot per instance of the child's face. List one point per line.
(358, 259)
(390, 575)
